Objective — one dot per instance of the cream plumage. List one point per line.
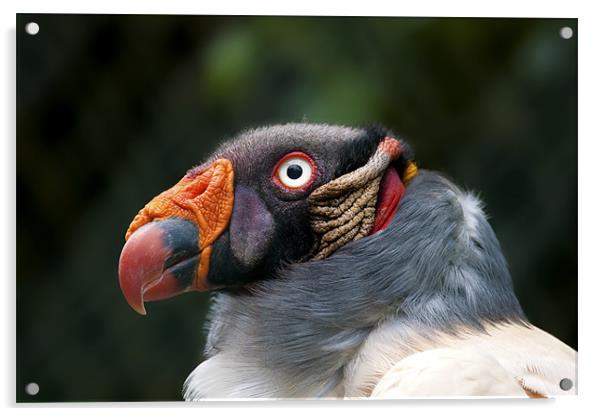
(504, 360)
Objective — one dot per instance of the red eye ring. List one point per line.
(307, 176)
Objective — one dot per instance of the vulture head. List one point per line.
(313, 237)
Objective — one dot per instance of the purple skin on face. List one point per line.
(251, 227)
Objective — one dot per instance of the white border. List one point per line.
(508, 8)
(590, 153)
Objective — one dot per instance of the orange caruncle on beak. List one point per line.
(161, 238)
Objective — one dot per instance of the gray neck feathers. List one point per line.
(436, 267)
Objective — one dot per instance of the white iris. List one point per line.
(284, 174)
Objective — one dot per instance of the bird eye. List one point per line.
(295, 171)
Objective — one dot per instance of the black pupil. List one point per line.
(294, 171)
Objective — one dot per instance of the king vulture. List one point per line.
(339, 270)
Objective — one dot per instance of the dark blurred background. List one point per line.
(112, 110)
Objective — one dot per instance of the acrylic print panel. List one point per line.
(433, 234)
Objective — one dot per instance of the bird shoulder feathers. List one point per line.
(503, 360)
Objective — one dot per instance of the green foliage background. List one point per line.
(114, 109)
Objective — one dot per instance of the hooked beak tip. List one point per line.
(160, 260)
(134, 295)
(140, 309)
(141, 263)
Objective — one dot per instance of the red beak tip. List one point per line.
(140, 309)
(137, 304)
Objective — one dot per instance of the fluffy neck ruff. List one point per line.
(435, 268)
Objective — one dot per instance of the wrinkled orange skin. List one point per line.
(205, 197)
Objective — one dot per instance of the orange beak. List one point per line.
(168, 244)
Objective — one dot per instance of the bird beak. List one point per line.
(168, 244)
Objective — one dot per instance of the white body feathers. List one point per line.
(507, 360)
